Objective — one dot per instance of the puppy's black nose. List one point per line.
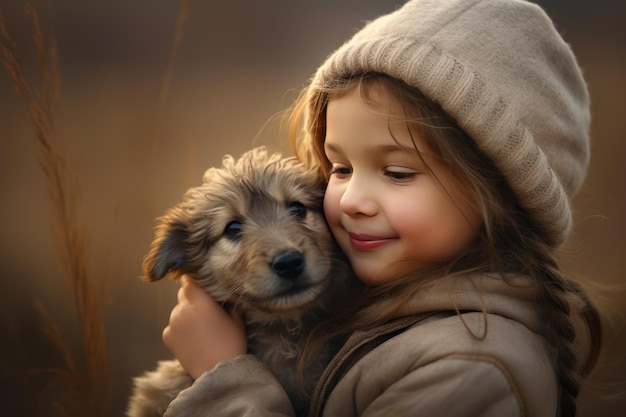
(288, 264)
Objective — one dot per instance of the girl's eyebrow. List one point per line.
(379, 149)
(384, 149)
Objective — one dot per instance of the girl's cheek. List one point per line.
(327, 203)
(331, 205)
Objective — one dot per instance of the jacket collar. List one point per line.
(514, 297)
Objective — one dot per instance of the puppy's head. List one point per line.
(253, 234)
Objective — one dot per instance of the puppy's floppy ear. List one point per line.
(168, 251)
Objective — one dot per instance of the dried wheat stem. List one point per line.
(90, 392)
(179, 30)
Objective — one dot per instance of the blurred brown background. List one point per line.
(239, 63)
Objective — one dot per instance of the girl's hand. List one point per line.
(200, 332)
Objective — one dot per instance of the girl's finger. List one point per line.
(180, 295)
(184, 282)
(190, 291)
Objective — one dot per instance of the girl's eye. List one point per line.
(233, 230)
(340, 171)
(297, 209)
(400, 176)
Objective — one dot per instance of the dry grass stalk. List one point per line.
(179, 30)
(88, 390)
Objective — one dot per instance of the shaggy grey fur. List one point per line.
(253, 235)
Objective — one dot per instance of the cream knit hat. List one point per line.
(501, 70)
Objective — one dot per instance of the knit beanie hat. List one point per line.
(503, 72)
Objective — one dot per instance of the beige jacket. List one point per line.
(430, 361)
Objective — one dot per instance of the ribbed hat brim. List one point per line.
(502, 71)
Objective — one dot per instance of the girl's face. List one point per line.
(389, 214)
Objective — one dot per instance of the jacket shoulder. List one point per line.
(477, 359)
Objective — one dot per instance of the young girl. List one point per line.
(453, 134)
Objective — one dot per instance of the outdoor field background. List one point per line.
(239, 63)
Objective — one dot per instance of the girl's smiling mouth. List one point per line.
(367, 242)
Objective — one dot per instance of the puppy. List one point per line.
(254, 236)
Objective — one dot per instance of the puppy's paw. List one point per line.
(154, 390)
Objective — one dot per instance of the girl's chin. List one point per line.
(372, 273)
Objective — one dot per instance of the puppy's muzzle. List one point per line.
(288, 265)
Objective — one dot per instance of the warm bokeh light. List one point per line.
(239, 63)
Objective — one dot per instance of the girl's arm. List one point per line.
(210, 344)
(239, 387)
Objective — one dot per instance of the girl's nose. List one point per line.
(358, 198)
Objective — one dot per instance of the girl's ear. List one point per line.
(169, 250)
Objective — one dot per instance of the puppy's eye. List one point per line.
(233, 229)
(297, 209)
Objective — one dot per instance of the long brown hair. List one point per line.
(508, 239)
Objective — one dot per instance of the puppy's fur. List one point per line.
(253, 235)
